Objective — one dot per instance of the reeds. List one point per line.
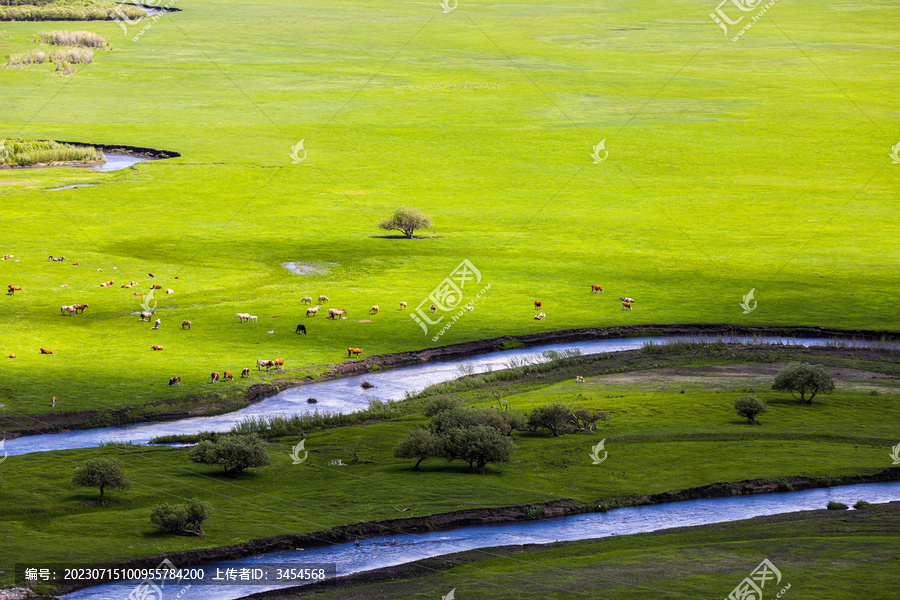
(87, 10)
(26, 153)
(82, 39)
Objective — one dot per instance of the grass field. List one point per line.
(761, 164)
(658, 440)
(817, 555)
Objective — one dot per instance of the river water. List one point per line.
(343, 395)
(375, 553)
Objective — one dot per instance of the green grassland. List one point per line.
(757, 164)
(658, 440)
(828, 555)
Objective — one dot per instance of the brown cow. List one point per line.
(156, 348)
(278, 362)
(245, 372)
(45, 351)
(156, 287)
(185, 324)
(626, 306)
(229, 376)
(374, 310)
(433, 308)
(596, 288)
(354, 351)
(12, 289)
(175, 381)
(13, 355)
(214, 376)
(537, 305)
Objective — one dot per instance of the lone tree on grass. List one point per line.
(419, 444)
(750, 406)
(100, 473)
(406, 220)
(180, 519)
(477, 445)
(803, 379)
(233, 452)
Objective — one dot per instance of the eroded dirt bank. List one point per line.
(196, 406)
(461, 518)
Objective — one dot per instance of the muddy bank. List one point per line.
(483, 516)
(150, 153)
(202, 405)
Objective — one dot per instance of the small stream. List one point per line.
(344, 395)
(376, 553)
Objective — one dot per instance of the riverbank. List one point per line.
(462, 518)
(206, 404)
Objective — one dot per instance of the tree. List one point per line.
(460, 418)
(802, 379)
(750, 406)
(477, 445)
(180, 519)
(552, 416)
(100, 473)
(419, 444)
(233, 452)
(406, 220)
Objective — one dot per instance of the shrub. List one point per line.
(477, 445)
(460, 418)
(84, 39)
(585, 419)
(750, 406)
(803, 379)
(180, 519)
(234, 453)
(100, 473)
(439, 404)
(836, 506)
(861, 504)
(552, 417)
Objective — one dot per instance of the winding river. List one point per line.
(346, 395)
(376, 553)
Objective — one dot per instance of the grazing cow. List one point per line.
(145, 315)
(579, 379)
(336, 312)
(7, 256)
(136, 294)
(626, 306)
(596, 288)
(323, 299)
(312, 311)
(214, 377)
(126, 286)
(354, 351)
(156, 348)
(278, 362)
(45, 351)
(374, 310)
(264, 363)
(156, 287)
(433, 308)
(245, 372)
(81, 307)
(301, 327)
(57, 258)
(470, 308)
(76, 264)
(107, 284)
(12, 289)
(242, 316)
(251, 318)
(624, 299)
(403, 306)
(175, 381)
(13, 355)
(151, 275)
(170, 291)
(185, 324)
(306, 300)
(537, 305)
(229, 376)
